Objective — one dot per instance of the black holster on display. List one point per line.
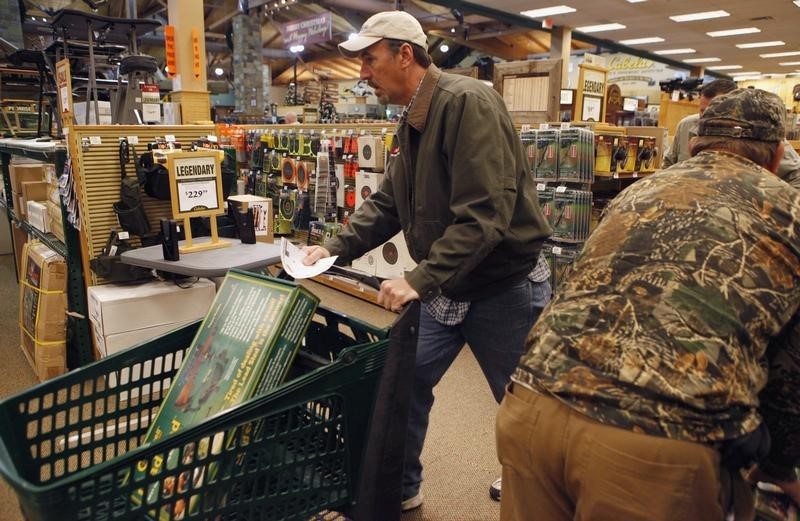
(111, 268)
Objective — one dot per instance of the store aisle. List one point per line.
(459, 458)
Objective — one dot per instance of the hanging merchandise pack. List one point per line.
(129, 209)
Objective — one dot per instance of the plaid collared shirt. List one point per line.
(453, 312)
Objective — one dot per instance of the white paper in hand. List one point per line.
(292, 261)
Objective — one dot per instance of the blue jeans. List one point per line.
(495, 329)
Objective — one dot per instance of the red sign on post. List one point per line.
(169, 48)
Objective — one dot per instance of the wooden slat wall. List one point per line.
(97, 177)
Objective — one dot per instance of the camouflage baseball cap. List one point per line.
(757, 115)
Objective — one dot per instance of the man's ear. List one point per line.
(776, 159)
(406, 55)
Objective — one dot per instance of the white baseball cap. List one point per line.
(397, 25)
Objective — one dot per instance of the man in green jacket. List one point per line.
(670, 356)
(458, 186)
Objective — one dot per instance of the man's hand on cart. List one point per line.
(314, 253)
(395, 294)
(790, 488)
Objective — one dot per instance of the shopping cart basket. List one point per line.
(69, 447)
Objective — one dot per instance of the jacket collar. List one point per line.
(418, 114)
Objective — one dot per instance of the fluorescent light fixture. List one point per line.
(734, 32)
(548, 11)
(637, 1)
(599, 28)
(724, 67)
(642, 41)
(776, 43)
(748, 73)
(692, 17)
(667, 52)
(780, 54)
(444, 47)
(787, 64)
(702, 60)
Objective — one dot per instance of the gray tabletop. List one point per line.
(209, 263)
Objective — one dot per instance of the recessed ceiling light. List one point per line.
(706, 15)
(599, 28)
(666, 52)
(642, 41)
(776, 43)
(787, 64)
(548, 11)
(444, 47)
(780, 54)
(734, 32)
(724, 67)
(702, 60)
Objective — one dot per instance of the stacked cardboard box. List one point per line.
(42, 308)
(126, 315)
(27, 184)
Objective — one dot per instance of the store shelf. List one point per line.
(49, 239)
(79, 341)
(38, 150)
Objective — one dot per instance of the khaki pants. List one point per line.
(560, 465)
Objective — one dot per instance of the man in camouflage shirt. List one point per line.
(673, 345)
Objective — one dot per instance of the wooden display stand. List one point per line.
(531, 89)
(195, 181)
(671, 112)
(195, 106)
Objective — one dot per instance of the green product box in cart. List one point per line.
(244, 347)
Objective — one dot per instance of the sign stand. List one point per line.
(590, 104)
(196, 191)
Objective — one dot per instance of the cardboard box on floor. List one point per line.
(42, 308)
(118, 308)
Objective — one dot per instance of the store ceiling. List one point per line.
(776, 21)
(498, 30)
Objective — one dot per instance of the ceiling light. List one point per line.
(599, 28)
(786, 64)
(797, 3)
(760, 44)
(748, 73)
(548, 11)
(665, 52)
(702, 60)
(352, 35)
(218, 71)
(297, 48)
(780, 54)
(636, 1)
(691, 17)
(444, 47)
(724, 67)
(452, 29)
(734, 32)
(642, 41)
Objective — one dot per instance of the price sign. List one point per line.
(197, 195)
(196, 183)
